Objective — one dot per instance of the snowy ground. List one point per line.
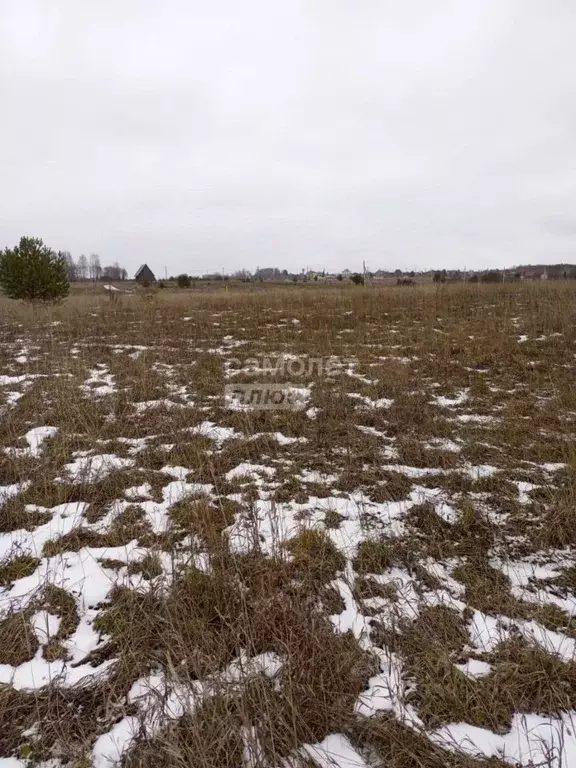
(383, 574)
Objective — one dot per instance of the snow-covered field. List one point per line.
(381, 575)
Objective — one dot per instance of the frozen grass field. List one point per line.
(382, 577)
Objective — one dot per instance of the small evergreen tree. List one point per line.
(440, 276)
(183, 281)
(31, 271)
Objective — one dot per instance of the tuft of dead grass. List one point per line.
(17, 568)
(376, 556)
(18, 641)
(314, 556)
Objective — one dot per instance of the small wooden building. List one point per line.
(145, 275)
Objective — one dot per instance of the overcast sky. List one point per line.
(201, 136)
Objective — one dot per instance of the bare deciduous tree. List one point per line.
(82, 267)
(70, 266)
(95, 268)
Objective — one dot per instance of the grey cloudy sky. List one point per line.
(219, 135)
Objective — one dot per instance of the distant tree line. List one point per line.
(90, 268)
(407, 278)
(506, 275)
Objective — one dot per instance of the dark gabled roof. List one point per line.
(144, 269)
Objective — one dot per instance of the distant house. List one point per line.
(145, 274)
(267, 273)
(533, 274)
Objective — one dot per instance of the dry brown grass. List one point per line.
(249, 603)
(518, 411)
(398, 746)
(524, 678)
